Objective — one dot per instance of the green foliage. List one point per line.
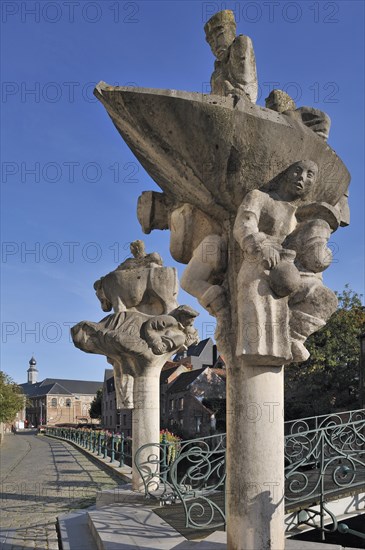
(329, 380)
(11, 398)
(95, 406)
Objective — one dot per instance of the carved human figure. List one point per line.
(204, 273)
(279, 284)
(318, 121)
(235, 67)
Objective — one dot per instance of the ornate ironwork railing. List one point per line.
(117, 447)
(317, 422)
(321, 463)
(191, 472)
(324, 457)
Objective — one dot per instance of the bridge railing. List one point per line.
(324, 462)
(190, 472)
(104, 444)
(317, 422)
(324, 457)
(320, 463)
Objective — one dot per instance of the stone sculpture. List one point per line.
(147, 325)
(318, 121)
(139, 284)
(235, 68)
(251, 196)
(146, 328)
(283, 257)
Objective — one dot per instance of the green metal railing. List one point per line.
(324, 458)
(104, 444)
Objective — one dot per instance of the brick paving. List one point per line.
(40, 479)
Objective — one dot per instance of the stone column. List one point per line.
(146, 423)
(255, 457)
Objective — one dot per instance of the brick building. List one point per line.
(191, 401)
(56, 400)
(113, 419)
(194, 380)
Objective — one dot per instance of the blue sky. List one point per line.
(69, 183)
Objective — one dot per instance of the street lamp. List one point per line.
(362, 371)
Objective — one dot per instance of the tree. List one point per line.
(329, 380)
(95, 407)
(11, 398)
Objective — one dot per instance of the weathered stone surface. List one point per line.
(144, 331)
(210, 161)
(152, 211)
(251, 197)
(139, 284)
(318, 121)
(235, 67)
(280, 101)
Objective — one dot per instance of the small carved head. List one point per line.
(106, 305)
(296, 182)
(137, 249)
(220, 32)
(279, 101)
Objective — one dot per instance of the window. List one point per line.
(68, 402)
(54, 402)
(171, 404)
(198, 423)
(181, 403)
(111, 421)
(124, 419)
(181, 423)
(106, 404)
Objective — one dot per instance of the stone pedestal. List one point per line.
(255, 457)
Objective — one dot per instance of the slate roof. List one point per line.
(194, 350)
(59, 386)
(184, 380)
(166, 373)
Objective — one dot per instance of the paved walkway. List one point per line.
(40, 479)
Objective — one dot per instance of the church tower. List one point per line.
(32, 371)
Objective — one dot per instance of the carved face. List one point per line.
(298, 180)
(106, 305)
(164, 334)
(137, 249)
(220, 38)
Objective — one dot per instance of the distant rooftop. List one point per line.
(61, 386)
(195, 350)
(184, 380)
